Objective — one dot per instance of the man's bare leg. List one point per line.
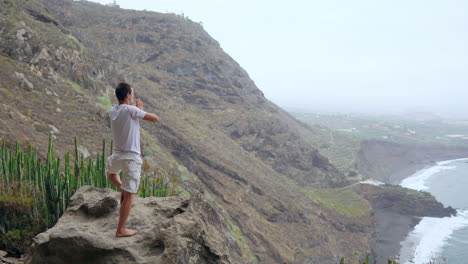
(125, 208)
(115, 179)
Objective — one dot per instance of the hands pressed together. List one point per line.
(149, 116)
(139, 104)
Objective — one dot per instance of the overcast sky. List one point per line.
(361, 55)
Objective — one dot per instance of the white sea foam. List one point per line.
(427, 239)
(418, 180)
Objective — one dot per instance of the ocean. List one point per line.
(441, 240)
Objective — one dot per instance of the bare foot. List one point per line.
(126, 232)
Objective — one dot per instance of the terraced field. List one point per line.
(338, 136)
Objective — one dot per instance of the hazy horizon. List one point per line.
(360, 56)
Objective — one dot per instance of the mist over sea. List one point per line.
(442, 239)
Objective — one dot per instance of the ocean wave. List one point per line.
(427, 239)
(418, 180)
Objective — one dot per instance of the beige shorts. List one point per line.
(130, 165)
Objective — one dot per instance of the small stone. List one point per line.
(84, 151)
(48, 92)
(3, 253)
(29, 84)
(58, 110)
(55, 94)
(19, 75)
(53, 129)
(43, 55)
(58, 101)
(24, 81)
(10, 260)
(19, 35)
(53, 75)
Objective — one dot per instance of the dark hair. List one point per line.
(122, 90)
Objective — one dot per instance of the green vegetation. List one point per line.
(33, 194)
(344, 201)
(407, 190)
(163, 185)
(104, 102)
(340, 148)
(418, 129)
(236, 233)
(6, 94)
(339, 136)
(75, 42)
(76, 86)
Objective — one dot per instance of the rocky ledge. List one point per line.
(397, 211)
(171, 230)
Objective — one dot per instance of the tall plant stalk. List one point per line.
(51, 184)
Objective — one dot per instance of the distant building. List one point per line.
(372, 182)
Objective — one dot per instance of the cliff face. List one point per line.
(59, 63)
(392, 162)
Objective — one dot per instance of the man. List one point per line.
(125, 127)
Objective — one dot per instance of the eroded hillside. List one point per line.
(59, 62)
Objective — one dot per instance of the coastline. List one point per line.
(392, 228)
(429, 237)
(399, 175)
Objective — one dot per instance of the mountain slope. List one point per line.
(60, 60)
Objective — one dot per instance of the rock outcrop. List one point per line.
(397, 211)
(171, 230)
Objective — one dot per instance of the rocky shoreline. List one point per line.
(391, 229)
(391, 163)
(397, 211)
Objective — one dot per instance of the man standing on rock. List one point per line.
(125, 127)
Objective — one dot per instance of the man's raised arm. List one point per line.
(151, 117)
(148, 116)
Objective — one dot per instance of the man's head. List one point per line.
(124, 93)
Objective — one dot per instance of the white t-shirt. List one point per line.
(125, 127)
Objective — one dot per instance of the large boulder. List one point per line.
(171, 230)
